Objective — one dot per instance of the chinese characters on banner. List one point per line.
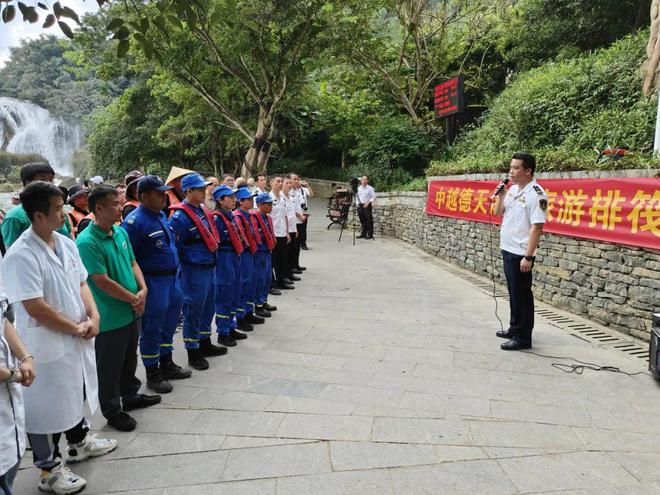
(622, 211)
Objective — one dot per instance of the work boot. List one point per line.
(156, 381)
(196, 360)
(262, 312)
(237, 335)
(270, 307)
(255, 320)
(208, 349)
(244, 325)
(171, 370)
(226, 340)
(274, 292)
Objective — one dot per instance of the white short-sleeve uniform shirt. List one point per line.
(65, 365)
(12, 416)
(522, 208)
(278, 215)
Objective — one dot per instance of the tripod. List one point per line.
(353, 207)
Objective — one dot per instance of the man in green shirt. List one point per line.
(120, 293)
(16, 221)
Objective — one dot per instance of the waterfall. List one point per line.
(26, 128)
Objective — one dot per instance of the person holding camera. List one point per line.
(366, 195)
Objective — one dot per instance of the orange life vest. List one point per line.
(269, 233)
(234, 235)
(75, 216)
(209, 236)
(247, 232)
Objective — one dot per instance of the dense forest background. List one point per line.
(340, 89)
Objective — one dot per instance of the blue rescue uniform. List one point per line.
(227, 277)
(262, 265)
(156, 254)
(197, 276)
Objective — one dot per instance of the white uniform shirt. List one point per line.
(521, 210)
(296, 196)
(64, 364)
(278, 215)
(290, 212)
(366, 194)
(304, 197)
(12, 416)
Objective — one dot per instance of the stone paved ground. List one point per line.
(380, 374)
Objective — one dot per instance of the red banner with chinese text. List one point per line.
(622, 211)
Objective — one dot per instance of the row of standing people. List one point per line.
(82, 308)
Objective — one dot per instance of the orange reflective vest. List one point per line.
(210, 235)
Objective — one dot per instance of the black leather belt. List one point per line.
(159, 273)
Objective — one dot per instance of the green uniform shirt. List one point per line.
(16, 222)
(110, 254)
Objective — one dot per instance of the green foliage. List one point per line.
(565, 28)
(562, 112)
(306, 169)
(392, 152)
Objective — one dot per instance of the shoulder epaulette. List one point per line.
(538, 189)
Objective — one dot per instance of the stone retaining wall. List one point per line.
(613, 285)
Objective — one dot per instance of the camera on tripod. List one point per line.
(354, 182)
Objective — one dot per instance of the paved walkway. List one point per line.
(380, 374)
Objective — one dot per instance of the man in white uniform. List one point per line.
(293, 215)
(282, 238)
(366, 197)
(525, 211)
(58, 320)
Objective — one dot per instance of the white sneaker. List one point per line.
(89, 447)
(61, 481)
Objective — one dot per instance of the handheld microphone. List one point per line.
(499, 188)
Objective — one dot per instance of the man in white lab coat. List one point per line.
(57, 319)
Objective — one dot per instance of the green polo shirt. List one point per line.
(16, 222)
(110, 254)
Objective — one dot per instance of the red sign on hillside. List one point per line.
(449, 98)
(622, 211)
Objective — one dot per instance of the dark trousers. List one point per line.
(521, 299)
(45, 446)
(367, 220)
(7, 479)
(116, 362)
(294, 253)
(302, 233)
(281, 259)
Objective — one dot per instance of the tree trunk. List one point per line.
(256, 159)
(650, 67)
(343, 159)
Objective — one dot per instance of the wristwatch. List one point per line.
(13, 376)
(530, 258)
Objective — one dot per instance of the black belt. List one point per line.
(159, 273)
(189, 242)
(203, 265)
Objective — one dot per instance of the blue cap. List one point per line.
(193, 181)
(151, 183)
(264, 198)
(244, 193)
(221, 191)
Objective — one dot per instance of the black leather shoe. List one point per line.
(295, 271)
(244, 325)
(140, 401)
(515, 345)
(196, 360)
(274, 292)
(237, 335)
(254, 319)
(284, 286)
(504, 335)
(157, 382)
(301, 268)
(304, 247)
(294, 278)
(208, 349)
(122, 422)
(369, 237)
(172, 371)
(361, 236)
(226, 340)
(262, 312)
(269, 307)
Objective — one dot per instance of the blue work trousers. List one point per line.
(226, 274)
(197, 284)
(161, 315)
(247, 286)
(263, 277)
